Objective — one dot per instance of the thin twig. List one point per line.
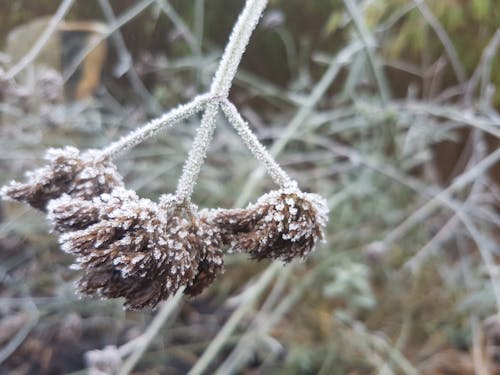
(221, 84)
(198, 30)
(343, 58)
(369, 43)
(380, 344)
(447, 230)
(170, 118)
(188, 36)
(415, 262)
(486, 59)
(424, 211)
(196, 157)
(19, 337)
(123, 19)
(485, 249)
(125, 59)
(455, 114)
(246, 344)
(256, 148)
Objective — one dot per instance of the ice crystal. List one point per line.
(283, 224)
(82, 175)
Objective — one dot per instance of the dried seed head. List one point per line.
(107, 282)
(211, 258)
(81, 175)
(134, 248)
(283, 224)
(67, 213)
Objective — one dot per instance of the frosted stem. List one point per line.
(221, 84)
(256, 148)
(198, 153)
(238, 41)
(170, 118)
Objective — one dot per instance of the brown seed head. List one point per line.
(134, 248)
(81, 175)
(67, 213)
(283, 224)
(211, 261)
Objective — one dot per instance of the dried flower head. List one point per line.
(134, 248)
(81, 175)
(211, 258)
(283, 224)
(67, 213)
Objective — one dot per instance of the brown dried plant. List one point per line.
(145, 251)
(81, 175)
(283, 224)
(135, 248)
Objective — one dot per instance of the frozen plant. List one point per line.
(146, 251)
(68, 171)
(134, 248)
(284, 224)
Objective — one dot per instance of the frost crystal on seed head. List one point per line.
(82, 175)
(134, 248)
(211, 258)
(283, 224)
(68, 213)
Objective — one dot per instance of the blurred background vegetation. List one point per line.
(389, 109)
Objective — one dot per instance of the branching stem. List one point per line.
(256, 148)
(220, 87)
(209, 102)
(151, 128)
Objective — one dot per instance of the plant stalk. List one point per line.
(177, 114)
(278, 175)
(221, 84)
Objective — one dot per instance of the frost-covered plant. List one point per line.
(134, 248)
(145, 251)
(284, 224)
(81, 175)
